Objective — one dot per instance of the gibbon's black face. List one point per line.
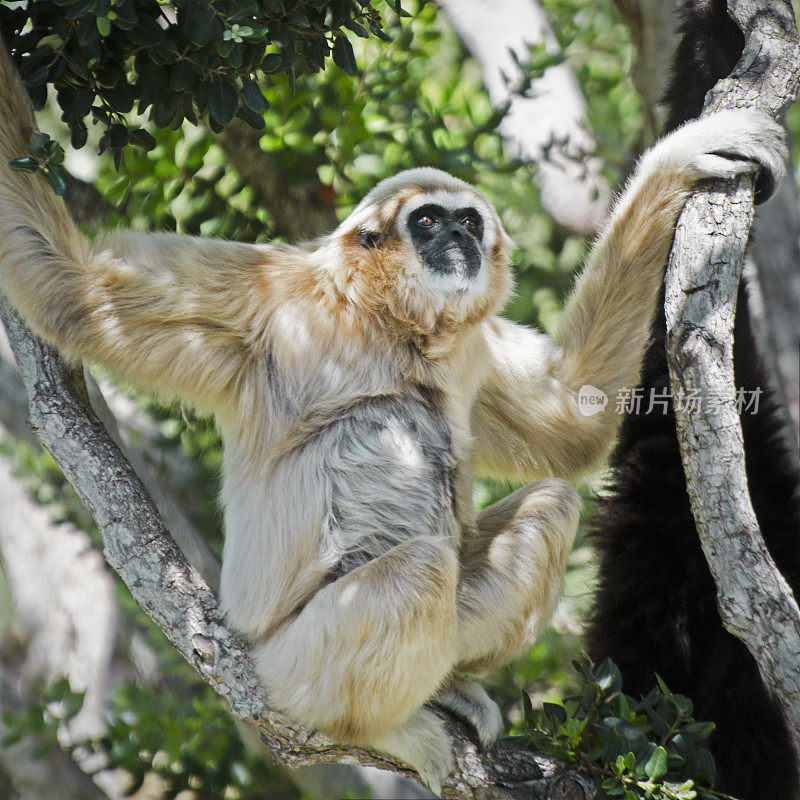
(448, 241)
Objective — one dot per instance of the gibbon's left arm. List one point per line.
(526, 421)
(171, 313)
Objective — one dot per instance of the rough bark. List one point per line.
(546, 125)
(754, 600)
(186, 536)
(138, 546)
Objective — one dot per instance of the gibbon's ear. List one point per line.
(369, 240)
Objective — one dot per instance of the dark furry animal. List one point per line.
(656, 603)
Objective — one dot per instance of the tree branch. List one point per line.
(755, 602)
(174, 595)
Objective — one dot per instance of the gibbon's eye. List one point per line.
(426, 221)
(471, 224)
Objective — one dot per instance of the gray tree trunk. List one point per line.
(754, 600)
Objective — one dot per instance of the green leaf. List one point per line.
(126, 16)
(271, 62)
(142, 138)
(222, 101)
(37, 76)
(181, 75)
(146, 32)
(78, 9)
(79, 103)
(656, 767)
(118, 135)
(55, 177)
(527, 707)
(225, 46)
(73, 703)
(38, 143)
(378, 32)
(165, 108)
(299, 18)
(343, 55)
(103, 26)
(555, 710)
(25, 164)
(78, 134)
(698, 730)
(243, 9)
(54, 152)
(252, 96)
(630, 761)
(356, 28)
(11, 738)
(608, 677)
(200, 24)
(249, 116)
(87, 31)
(667, 692)
(704, 766)
(121, 98)
(314, 54)
(683, 704)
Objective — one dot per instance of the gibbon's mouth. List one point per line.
(463, 260)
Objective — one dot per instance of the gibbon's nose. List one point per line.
(456, 231)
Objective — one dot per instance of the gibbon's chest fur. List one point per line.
(355, 441)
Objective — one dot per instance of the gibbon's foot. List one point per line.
(423, 744)
(469, 702)
(724, 145)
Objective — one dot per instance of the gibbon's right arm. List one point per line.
(172, 313)
(526, 419)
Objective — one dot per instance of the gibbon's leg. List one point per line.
(368, 650)
(513, 571)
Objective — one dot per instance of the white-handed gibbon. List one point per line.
(358, 382)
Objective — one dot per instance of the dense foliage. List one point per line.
(180, 734)
(651, 748)
(181, 61)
